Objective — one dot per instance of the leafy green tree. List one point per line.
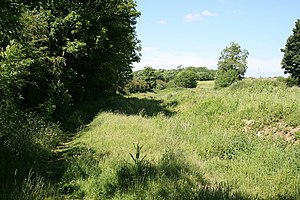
(99, 43)
(186, 79)
(136, 86)
(291, 59)
(149, 75)
(203, 73)
(232, 62)
(168, 75)
(61, 52)
(53, 55)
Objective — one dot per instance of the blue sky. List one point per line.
(194, 32)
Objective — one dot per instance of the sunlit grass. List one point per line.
(216, 133)
(205, 84)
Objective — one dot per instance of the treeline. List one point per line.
(55, 55)
(149, 78)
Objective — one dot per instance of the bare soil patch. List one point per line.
(276, 130)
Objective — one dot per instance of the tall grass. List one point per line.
(216, 144)
(26, 141)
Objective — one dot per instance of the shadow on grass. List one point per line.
(135, 106)
(88, 109)
(171, 178)
(21, 158)
(24, 176)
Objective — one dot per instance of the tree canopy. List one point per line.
(291, 59)
(232, 62)
(54, 56)
(149, 78)
(187, 79)
(56, 53)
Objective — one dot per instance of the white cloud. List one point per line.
(191, 17)
(162, 21)
(206, 13)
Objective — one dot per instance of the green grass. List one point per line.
(197, 144)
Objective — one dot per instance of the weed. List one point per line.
(135, 174)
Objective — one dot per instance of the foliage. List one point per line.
(232, 63)
(149, 75)
(203, 73)
(226, 78)
(63, 52)
(186, 79)
(168, 75)
(13, 66)
(291, 81)
(291, 59)
(26, 144)
(135, 86)
(161, 85)
(54, 55)
(163, 78)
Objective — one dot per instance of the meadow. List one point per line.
(241, 142)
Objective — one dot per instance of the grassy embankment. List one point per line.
(235, 143)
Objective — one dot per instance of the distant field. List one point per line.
(235, 143)
(205, 84)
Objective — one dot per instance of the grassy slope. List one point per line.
(215, 144)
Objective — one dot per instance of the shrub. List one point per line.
(226, 78)
(136, 86)
(160, 85)
(186, 79)
(280, 79)
(291, 81)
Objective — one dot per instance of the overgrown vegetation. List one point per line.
(291, 59)
(149, 79)
(232, 65)
(55, 56)
(62, 63)
(186, 79)
(236, 143)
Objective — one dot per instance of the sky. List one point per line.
(194, 32)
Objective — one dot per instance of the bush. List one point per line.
(226, 78)
(291, 81)
(186, 79)
(281, 79)
(136, 86)
(160, 85)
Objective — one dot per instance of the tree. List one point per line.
(149, 75)
(62, 52)
(203, 73)
(291, 59)
(186, 78)
(232, 62)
